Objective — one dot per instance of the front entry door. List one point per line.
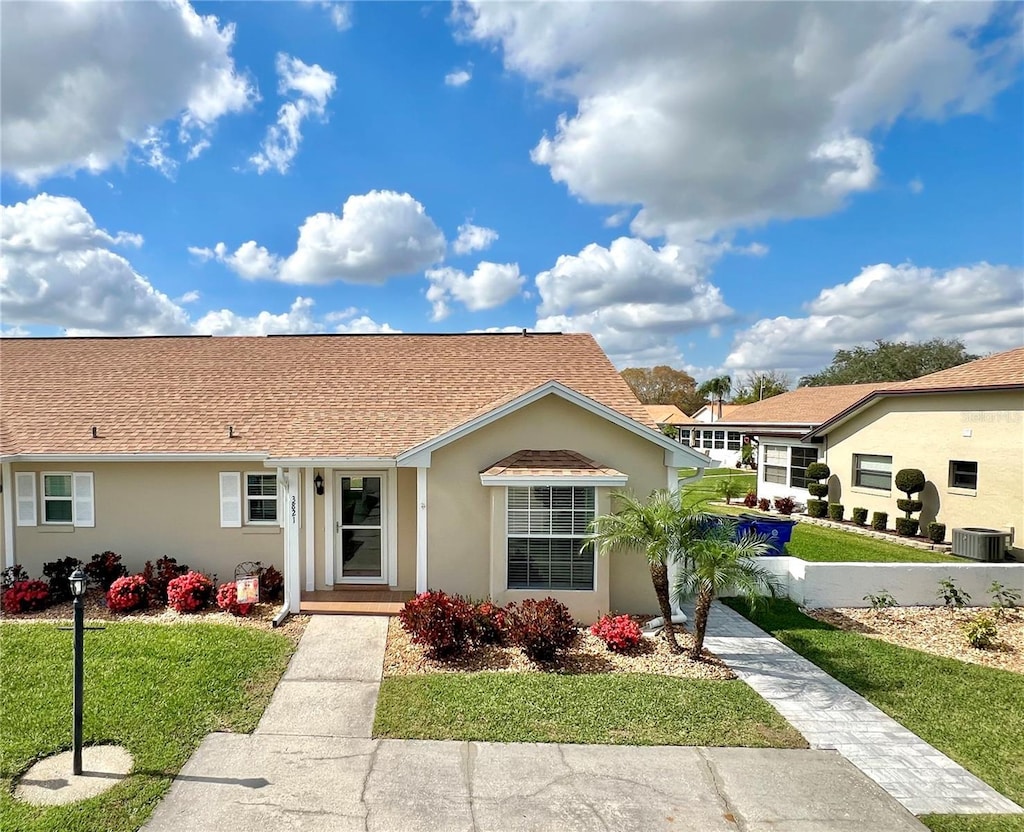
(360, 544)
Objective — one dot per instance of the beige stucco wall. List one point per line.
(147, 510)
(466, 552)
(927, 432)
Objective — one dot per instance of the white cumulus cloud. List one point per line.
(982, 304)
(724, 115)
(299, 319)
(458, 77)
(490, 285)
(473, 238)
(81, 84)
(310, 87)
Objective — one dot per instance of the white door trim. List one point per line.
(386, 538)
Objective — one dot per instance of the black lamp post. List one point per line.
(77, 581)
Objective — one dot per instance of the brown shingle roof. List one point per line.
(667, 414)
(998, 370)
(803, 406)
(548, 464)
(291, 396)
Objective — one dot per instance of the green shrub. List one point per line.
(951, 595)
(880, 600)
(729, 489)
(1003, 599)
(879, 521)
(936, 532)
(980, 631)
(910, 481)
(860, 516)
(906, 527)
(817, 489)
(909, 506)
(816, 508)
(835, 511)
(818, 471)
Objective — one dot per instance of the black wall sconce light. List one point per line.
(318, 484)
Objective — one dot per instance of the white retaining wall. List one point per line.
(814, 585)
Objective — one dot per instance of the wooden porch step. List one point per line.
(354, 601)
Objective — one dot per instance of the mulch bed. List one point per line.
(935, 630)
(588, 654)
(260, 617)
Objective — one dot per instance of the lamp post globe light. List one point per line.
(77, 581)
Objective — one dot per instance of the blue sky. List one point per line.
(721, 188)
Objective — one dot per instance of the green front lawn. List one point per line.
(612, 708)
(819, 543)
(706, 488)
(971, 713)
(156, 689)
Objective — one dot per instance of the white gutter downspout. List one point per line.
(7, 481)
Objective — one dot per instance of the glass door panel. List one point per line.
(361, 529)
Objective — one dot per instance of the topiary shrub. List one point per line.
(443, 624)
(227, 600)
(619, 632)
(57, 573)
(541, 629)
(158, 576)
(190, 592)
(817, 489)
(817, 471)
(127, 594)
(910, 481)
(908, 507)
(860, 516)
(26, 596)
(104, 569)
(764, 504)
(488, 623)
(936, 532)
(906, 527)
(816, 508)
(785, 505)
(879, 520)
(750, 500)
(835, 511)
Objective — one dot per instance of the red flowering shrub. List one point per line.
(227, 600)
(541, 629)
(190, 592)
(619, 632)
(751, 499)
(159, 576)
(24, 596)
(443, 624)
(784, 505)
(489, 623)
(764, 504)
(104, 569)
(127, 594)
(271, 584)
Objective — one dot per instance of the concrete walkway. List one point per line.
(831, 716)
(312, 765)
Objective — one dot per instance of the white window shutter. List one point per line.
(85, 513)
(230, 500)
(25, 496)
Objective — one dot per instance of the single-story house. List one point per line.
(468, 463)
(670, 420)
(962, 427)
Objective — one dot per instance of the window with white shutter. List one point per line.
(25, 498)
(84, 504)
(230, 499)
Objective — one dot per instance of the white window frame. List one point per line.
(550, 535)
(733, 444)
(246, 498)
(857, 470)
(765, 465)
(44, 499)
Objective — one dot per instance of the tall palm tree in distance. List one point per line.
(716, 389)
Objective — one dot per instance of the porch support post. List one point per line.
(9, 519)
(329, 527)
(421, 529)
(310, 531)
(391, 480)
(292, 586)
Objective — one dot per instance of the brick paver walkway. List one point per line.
(831, 716)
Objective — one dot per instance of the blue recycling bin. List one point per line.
(777, 531)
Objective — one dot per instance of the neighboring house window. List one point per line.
(707, 439)
(684, 436)
(776, 463)
(963, 474)
(800, 459)
(547, 528)
(261, 498)
(58, 499)
(872, 471)
(719, 439)
(734, 440)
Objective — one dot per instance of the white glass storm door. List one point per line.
(360, 543)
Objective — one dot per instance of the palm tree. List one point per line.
(657, 528)
(715, 562)
(716, 389)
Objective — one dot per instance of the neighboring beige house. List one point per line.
(669, 417)
(963, 427)
(469, 463)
